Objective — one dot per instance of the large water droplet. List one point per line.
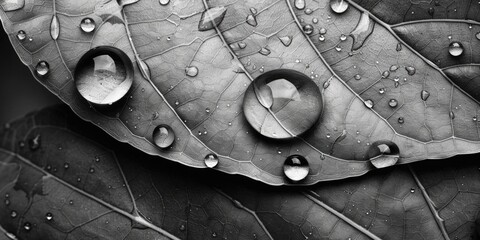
(299, 4)
(191, 71)
(164, 2)
(296, 168)
(87, 25)
(251, 20)
(35, 142)
(49, 216)
(211, 160)
(42, 68)
(286, 41)
(27, 226)
(339, 6)
(369, 103)
(424, 95)
(11, 5)
(383, 154)
(410, 70)
(362, 31)
(393, 103)
(211, 18)
(163, 136)
(21, 35)
(308, 29)
(282, 93)
(54, 28)
(455, 49)
(104, 75)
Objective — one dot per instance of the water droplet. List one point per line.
(383, 154)
(27, 226)
(455, 49)
(163, 136)
(410, 70)
(424, 95)
(104, 75)
(11, 5)
(338, 48)
(214, 235)
(87, 25)
(452, 115)
(393, 68)
(282, 92)
(286, 40)
(21, 35)
(66, 165)
(357, 77)
(191, 71)
(79, 179)
(264, 51)
(35, 142)
(339, 6)
(13, 214)
(164, 2)
(322, 31)
(369, 103)
(251, 20)
(211, 18)
(49, 216)
(431, 11)
(7, 202)
(308, 29)
(211, 160)
(385, 74)
(308, 11)
(42, 68)
(343, 37)
(315, 20)
(144, 70)
(393, 103)
(381, 90)
(299, 4)
(477, 35)
(242, 45)
(54, 28)
(182, 227)
(91, 170)
(399, 47)
(296, 168)
(412, 190)
(321, 38)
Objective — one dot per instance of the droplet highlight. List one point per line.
(21, 35)
(308, 29)
(339, 6)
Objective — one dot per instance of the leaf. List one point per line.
(194, 80)
(130, 195)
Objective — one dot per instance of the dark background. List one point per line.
(20, 93)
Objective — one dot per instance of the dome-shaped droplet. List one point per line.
(308, 29)
(299, 4)
(381, 90)
(393, 103)
(49, 216)
(35, 142)
(211, 18)
(42, 68)
(296, 168)
(27, 226)
(13, 214)
(424, 95)
(455, 49)
(357, 77)
(338, 48)
(343, 37)
(322, 31)
(321, 38)
(399, 47)
(339, 6)
(410, 70)
(182, 227)
(251, 20)
(87, 25)
(104, 75)
(282, 103)
(286, 40)
(54, 28)
(452, 115)
(385, 74)
(91, 170)
(393, 68)
(308, 11)
(211, 160)
(164, 2)
(477, 35)
(369, 103)
(163, 136)
(21, 35)
(264, 51)
(401, 120)
(191, 71)
(383, 154)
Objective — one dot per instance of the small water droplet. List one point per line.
(369, 103)
(381, 90)
(182, 227)
(412, 190)
(191, 71)
(308, 11)
(299, 4)
(163, 136)
(21, 35)
(251, 20)
(321, 38)
(385, 74)
(343, 37)
(339, 6)
(393, 103)
(474, 118)
(393, 68)
(410, 70)
(49, 216)
(452, 115)
(66, 165)
(357, 77)
(79, 179)
(424, 95)
(308, 29)
(286, 40)
(13, 214)
(35, 142)
(296, 168)
(338, 48)
(264, 51)
(42, 68)
(91, 170)
(7, 202)
(211, 160)
(27, 226)
(455, 49)
(211, 18)
(399, 47)
(87, 25)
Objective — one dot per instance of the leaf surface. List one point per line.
(194, 79)
(131, 195)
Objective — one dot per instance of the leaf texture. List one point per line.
(131, 195)
(193, 79)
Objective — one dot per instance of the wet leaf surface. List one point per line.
(192, 68)
(124, 193)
